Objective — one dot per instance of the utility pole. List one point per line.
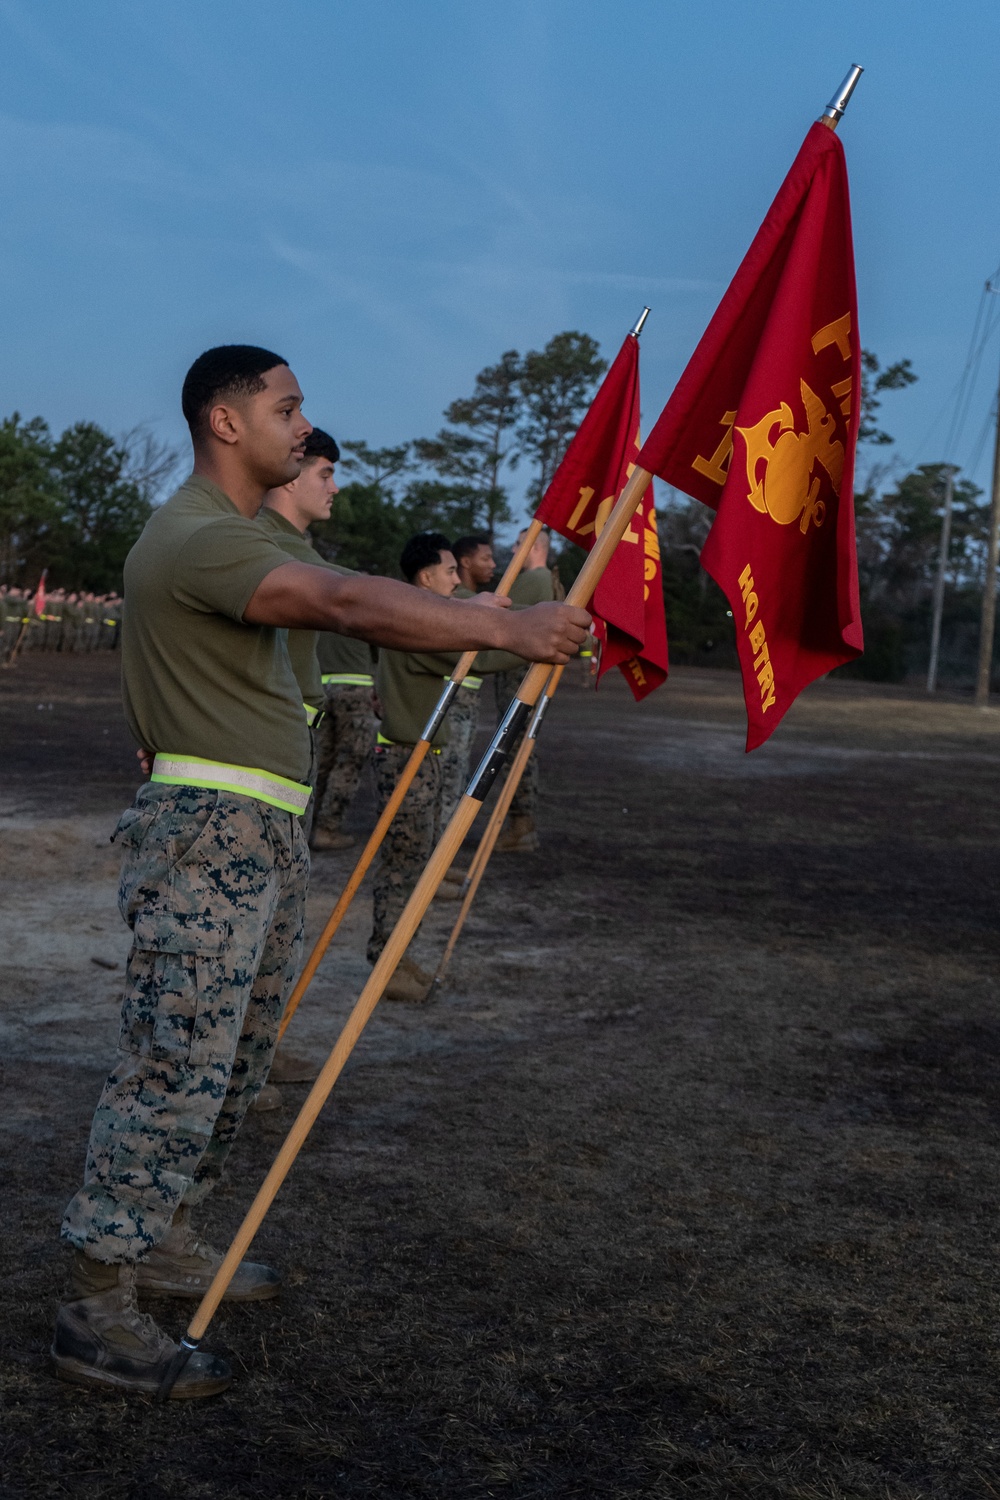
(949, 492)
(989, 614)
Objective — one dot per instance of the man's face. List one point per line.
(441, 577)
(478, 567)
(314, 490)
(268, 427)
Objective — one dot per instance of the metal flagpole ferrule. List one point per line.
(489, 767)
(637, 326)
(441, 708)
(175, 1368)
(538, 716)
(835, 109)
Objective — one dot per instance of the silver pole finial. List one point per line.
(835, 109)
(636, 329)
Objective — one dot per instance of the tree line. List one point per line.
(76, 503)
(522, 410)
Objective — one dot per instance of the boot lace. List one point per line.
(140, 1323)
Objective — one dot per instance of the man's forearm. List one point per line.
(380, 610)
(299, 596)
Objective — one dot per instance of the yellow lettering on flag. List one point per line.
(842, 391)
(838, 332)
(586, 495)
(758, 642)
(717, 467)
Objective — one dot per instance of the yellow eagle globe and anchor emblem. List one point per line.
(781, 469)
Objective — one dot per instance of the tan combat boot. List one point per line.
(449, 890)
(103, 1339)
(267, 1098)
(323, 838)
(519, 834)
(291, 1067)
(182, 1265)
(410, 983)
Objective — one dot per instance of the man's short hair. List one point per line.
(222, 373)
(422, 551)
(466, 545)
(320, 444)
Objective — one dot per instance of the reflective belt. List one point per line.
(472, 683)
(243, 781)
(314, 716)
(348, 679)
(380, 739)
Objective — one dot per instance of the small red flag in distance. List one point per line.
(39, 602)
(628, 600)
(763, 426)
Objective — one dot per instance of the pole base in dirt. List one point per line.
(175, 1369)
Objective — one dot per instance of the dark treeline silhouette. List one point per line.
(75, 504)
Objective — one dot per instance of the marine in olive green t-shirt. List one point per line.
(197, 680)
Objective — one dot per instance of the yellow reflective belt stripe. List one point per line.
(380, 739)
(311, 713)
(242, 781)
(348, 679)
(473, 683)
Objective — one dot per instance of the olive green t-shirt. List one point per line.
(409, 684)
(345, 655)
(301, 643)
(532, 587)
(197, 680)
(316, 654)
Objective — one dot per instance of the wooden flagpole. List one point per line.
(514, 721)
(399, 791)
(488, 841)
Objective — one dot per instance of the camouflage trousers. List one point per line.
(463, 721)
(409, 842)
(213, 887)
(525, 800)
(343, 745)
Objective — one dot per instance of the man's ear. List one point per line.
(224, 424)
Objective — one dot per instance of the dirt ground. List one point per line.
(685, 1187)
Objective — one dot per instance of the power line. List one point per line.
(985, 325)
(973, 463)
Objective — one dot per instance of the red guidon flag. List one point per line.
(628, 601)
(763, 425)
(39, 601)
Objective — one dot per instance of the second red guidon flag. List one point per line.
(763, 425)
(628, 601)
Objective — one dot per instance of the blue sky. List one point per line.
(392, 192)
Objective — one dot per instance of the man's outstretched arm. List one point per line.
(302, 597)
